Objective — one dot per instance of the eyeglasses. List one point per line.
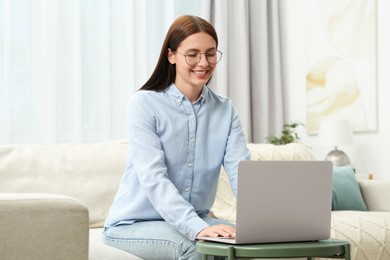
(193, 58)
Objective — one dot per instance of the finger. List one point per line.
(219, 230)
(226, 232)
(229, 231)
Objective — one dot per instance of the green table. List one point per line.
(331, 248)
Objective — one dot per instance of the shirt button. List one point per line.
(192, 140)
(187, 189)
(190, 165)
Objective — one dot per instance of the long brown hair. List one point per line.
(164, 73)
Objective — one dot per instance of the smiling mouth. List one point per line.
(201, 74)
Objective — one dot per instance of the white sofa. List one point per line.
(54, 199)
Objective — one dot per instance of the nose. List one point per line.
(203, 59)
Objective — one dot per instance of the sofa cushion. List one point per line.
(287, 152)
(225, 202)
(42, 226)
(346, 193)
(88, 172)
(367, 231)
(376, 194)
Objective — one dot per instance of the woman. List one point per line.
(180, 133)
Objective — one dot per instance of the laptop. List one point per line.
(282, 201)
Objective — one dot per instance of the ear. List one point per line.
(171, 57)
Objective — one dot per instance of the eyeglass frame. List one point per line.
(200, 57)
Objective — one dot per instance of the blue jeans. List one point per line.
(155, 240)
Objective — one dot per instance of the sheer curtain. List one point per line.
(250, 71)
(67, 67)
(59, 69)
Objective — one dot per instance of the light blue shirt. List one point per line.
(176, 150)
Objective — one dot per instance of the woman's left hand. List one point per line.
(220, 230)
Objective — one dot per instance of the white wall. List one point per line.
(370, 152)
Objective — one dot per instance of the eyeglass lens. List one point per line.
(211, 57)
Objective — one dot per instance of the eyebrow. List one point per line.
(212, 48)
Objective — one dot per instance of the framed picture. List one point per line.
(341, 74)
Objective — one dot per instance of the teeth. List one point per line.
(200, 72)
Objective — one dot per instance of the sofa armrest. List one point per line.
(43, 226)
(376, 194)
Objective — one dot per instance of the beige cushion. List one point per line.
(368, 233)
(376, 194)
(43, 226)
(268, 152)
(225, 203)
(88, 172)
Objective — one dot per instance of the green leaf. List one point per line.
(289, 134)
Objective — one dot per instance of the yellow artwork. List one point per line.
(341, 55)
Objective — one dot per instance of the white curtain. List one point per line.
(67, 67)
(250, 70)
(59, 69)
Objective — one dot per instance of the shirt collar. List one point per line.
(175, 93)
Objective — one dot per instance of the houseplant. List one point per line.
(289, 134)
